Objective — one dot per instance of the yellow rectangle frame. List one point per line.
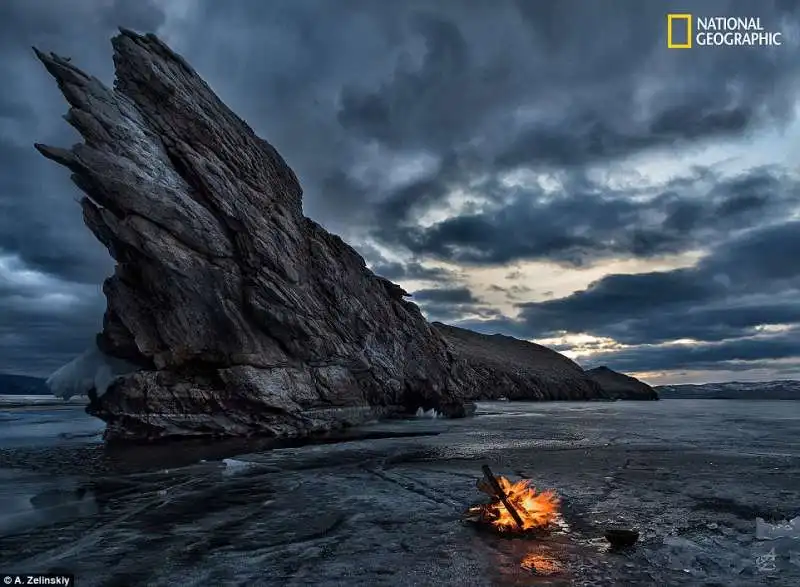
(671, 18)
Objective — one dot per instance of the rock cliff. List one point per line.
(241, 315)
(621, 386)
(229, 312)
(503, 366)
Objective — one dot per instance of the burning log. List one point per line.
(515, 508)
(498, 491)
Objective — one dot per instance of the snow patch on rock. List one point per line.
(92, 370)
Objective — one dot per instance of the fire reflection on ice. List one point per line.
(541, 564)
(518, 510)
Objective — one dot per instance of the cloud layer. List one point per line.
(470, 150)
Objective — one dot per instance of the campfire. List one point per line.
(515, 507)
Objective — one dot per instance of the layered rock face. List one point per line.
(242, 315)
(621, 386)
(503, 366)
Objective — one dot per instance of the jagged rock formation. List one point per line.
(243, 315)
(229, 312)
(621, 386)
(503, 366)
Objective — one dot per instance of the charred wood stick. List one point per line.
(502, 495)
(484, 486)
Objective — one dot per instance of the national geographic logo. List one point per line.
(685, 31)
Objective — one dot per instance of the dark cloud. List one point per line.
(41, 221)
(762, 256)
(586, 221)
(743, 285)
(729, 355)
(458, 295)
(52, 267)
(448, 304)
(406, 270)
(411, 271)
(559, 94)
(385, 109)
(45, 321)
(469, 78)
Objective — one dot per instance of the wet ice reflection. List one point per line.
(385, 507)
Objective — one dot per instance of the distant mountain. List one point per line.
(22, 385)
(621, 386)
(783, 390)
(504, 366)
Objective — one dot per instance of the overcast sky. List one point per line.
(543, 168)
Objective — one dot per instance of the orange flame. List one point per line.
(536, 509)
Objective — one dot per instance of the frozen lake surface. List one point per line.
(383, 506)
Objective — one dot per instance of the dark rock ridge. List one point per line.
(244, 316)
(503, 366)
(620, 386)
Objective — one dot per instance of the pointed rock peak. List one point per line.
(244, 316)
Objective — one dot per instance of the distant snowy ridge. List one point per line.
(93, 370)
(15, 401)
(786, 389)
(21, 385)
